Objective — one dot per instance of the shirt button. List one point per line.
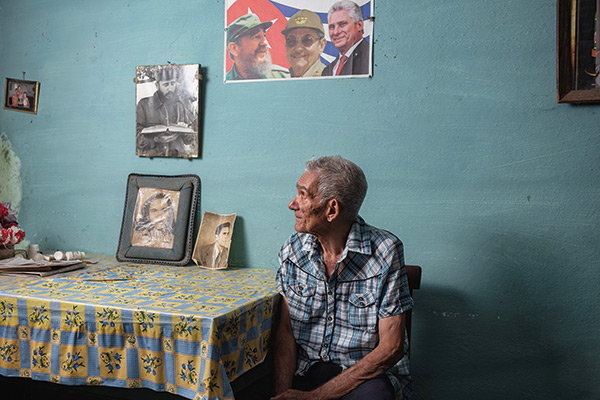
(330, 318)
(325, 345)
(329, 292)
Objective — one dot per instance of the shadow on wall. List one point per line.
(505, 332)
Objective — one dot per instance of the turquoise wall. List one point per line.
(492, 186)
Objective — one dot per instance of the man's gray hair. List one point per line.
(353, 9)
(342, 180)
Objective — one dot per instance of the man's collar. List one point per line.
(351, 50)
(357, 241)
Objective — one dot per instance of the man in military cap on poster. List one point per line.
(248, 48)
(304, 43)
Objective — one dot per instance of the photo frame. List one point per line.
(211, 250)
(168, 110)
(21, 95)
(158, 219)
(577, 66)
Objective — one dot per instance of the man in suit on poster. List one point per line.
(346, 33)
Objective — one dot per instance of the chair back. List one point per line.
(413, 273)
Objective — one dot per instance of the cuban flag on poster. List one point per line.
(279, 12)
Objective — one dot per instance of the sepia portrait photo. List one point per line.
(213, 241)
(167, 109)
(154, 218)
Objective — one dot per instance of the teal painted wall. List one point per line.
(492, 186)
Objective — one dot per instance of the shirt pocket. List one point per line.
(362, 310)
(300, 299)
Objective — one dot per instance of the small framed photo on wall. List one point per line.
(21, 95)
(167, 110)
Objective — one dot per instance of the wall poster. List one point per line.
(290, 39)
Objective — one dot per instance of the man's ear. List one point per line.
(333, 210)
(234, 49)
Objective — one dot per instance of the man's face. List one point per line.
(303, 48)
(343, 31)
(310, 214)
(167, 88)
(253, 49)
(19, 90)
(223, 236)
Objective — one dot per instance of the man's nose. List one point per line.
(293, 205)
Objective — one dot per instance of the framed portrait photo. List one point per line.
(21, 95)
(577, 57)
(158, 219)
(167, 110)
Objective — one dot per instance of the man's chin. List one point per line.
(262, 59)
(300, 228)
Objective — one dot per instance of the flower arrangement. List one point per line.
(10, 233)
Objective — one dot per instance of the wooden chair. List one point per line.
(413, 273)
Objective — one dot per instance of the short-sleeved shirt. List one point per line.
(336, 319)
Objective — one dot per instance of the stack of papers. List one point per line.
(22, 266)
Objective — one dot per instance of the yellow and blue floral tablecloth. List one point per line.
(183, 330)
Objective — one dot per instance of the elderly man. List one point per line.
(304, 43)
(341, 333)
(248, 48)
(346, 34)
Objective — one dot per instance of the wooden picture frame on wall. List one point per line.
(21, 95)
(577, 67)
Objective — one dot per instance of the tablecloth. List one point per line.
(184, 330)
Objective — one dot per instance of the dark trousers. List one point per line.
(379, 388)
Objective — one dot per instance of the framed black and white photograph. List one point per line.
(21, 95)
(577, 58)
(158, 219)
(167, 110)
(214, 240)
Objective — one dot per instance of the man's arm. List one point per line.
(285, 350)
(387, 353)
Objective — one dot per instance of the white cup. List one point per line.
(33, 250)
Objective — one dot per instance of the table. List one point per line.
(184, 330)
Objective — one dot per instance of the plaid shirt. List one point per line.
(336, 319)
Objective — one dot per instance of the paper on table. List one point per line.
(42, 273)
(20, 263)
